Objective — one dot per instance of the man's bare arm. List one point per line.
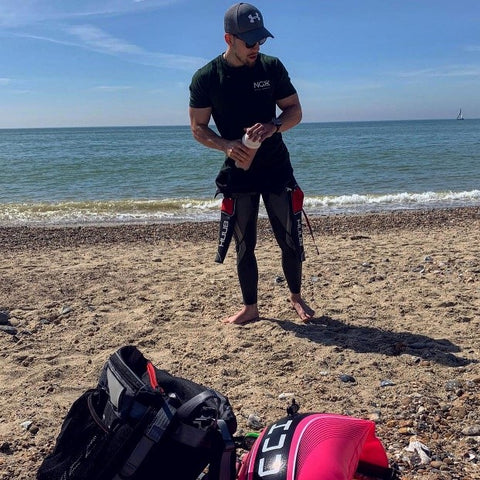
(291, 112)
(199, 120)
(290, 116)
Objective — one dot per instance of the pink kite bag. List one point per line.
(317, 446)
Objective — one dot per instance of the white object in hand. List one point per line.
(249, 143)
(252, 146)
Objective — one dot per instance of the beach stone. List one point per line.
(471, 431)
(469, 456)
(6, 448)
(26, 425)
(8, 329)
(375, 416)
(4, 318)
(65, 310)
(347, 378)
(453, 385)
(387, 383)
(421, 453)
(359, 237)
(285, 395)
(458, 411)
(419, 269)
(254, 421)
(447, 304)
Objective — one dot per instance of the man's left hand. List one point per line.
(260, 131)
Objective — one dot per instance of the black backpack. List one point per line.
(141, 423)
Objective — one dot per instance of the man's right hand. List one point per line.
(240, 154)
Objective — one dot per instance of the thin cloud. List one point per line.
(113, 88)
(11, 86)
(92, 38)
(97, 39)
(448, 71)
(21, 92)
(15, 13)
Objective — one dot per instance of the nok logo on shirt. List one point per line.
(261, 85)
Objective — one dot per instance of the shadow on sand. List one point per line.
(328, 331)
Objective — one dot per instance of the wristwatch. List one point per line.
(275, 121)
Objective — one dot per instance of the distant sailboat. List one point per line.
(460, 115)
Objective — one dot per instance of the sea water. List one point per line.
(161, 174)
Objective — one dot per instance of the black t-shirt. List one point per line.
(240, 97)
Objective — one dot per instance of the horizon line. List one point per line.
(187, 125)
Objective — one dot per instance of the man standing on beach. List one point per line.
(241, 89)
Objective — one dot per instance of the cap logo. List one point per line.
(252, 18)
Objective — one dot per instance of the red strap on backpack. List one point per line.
(152, 376)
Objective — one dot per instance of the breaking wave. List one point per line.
(197, 210)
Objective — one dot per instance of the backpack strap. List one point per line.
(227, 460)
(124, 386)
(151, 437)
(188, 434)
(189, 406)
(223, 464)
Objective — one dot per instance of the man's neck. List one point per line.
(231, 60)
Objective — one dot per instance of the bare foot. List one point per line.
(247, 314)
(303, 310)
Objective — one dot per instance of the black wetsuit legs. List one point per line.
(279, 214)
(245, 233)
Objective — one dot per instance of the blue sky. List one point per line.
(129, 62)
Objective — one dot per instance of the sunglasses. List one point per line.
(252, 45)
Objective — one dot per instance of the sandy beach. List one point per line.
(397, 301)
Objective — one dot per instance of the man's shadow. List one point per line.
(328, 331)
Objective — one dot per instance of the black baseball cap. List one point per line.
(246, 22)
